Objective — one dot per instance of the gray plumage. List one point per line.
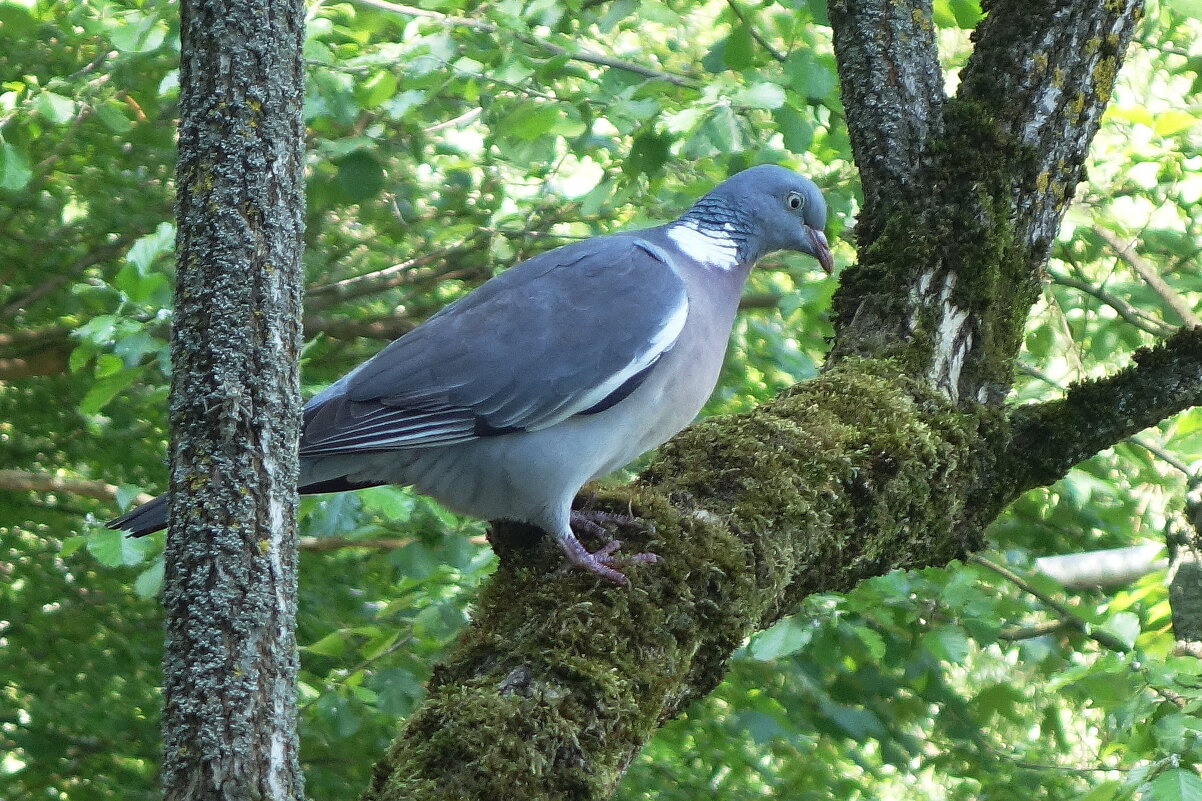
(558, 370)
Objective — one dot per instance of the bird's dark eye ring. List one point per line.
(795, 201)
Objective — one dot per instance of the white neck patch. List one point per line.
(712, 248)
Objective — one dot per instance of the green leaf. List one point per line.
(715, 58)
(1191, 9)
(1177, 784)
(14, 168)
(376, 89)
(71, 545)
(1172, 122)
(810, 76)
(143, 253)
(112, 114)
(393, 503)
(140, 33)
(761, 95)
(16, 22)
(739, 53)
(947, 644)
(528, 121)
(858, 723)
(104, 390)
(967, 13)
(150, 581)
(796, 132)
(115, 548)
(360, 176)
(648, 154)
(1125, 626)
(872, 640)
(785, 638)
(55, 108)
(333, 644)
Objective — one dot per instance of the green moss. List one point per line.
(846, 476)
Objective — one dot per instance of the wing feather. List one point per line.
(569, 332)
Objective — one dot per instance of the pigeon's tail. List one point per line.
(152, 515)
(146, 519)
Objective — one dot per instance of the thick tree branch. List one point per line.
(1049, 438)
(560, 679)
(893, 93)
(33, 352)
(1043, 72)
(948, 272)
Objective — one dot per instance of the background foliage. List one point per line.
(446, 143)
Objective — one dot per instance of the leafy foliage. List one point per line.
(445, 145)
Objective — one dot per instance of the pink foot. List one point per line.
(602, 561)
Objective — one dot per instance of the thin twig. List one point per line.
(755, 34)
(1150, 276)
(400, 274)
(1066, 613)
(579, 55)
(1137, 318)
(1014, 633)
(94, 256)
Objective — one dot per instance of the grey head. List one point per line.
(766, 208)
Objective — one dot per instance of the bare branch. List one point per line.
(95, 255)
(411, 271)
(1133, 315)
(755, 34)
(1066, 612)
(27, 481)
(1150, 275)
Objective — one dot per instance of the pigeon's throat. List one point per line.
(714, 234)
(713, 248)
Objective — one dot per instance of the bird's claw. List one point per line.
(601, 562)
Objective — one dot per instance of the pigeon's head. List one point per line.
(777, 209)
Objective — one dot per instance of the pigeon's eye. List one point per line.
(795, 201)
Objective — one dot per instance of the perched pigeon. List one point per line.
(558, 370)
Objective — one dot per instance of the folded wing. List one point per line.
(572, 331)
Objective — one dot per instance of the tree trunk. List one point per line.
(230, 585)
(897, 456)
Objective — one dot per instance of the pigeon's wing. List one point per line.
(572, 331)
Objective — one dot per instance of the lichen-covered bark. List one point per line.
(950, 262)
(229, 590)
(897, 456)
(892, 85)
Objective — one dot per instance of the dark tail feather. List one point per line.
(152, 515)
(146, 519)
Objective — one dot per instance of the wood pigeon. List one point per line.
(559, 370)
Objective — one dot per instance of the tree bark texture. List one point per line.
(230, 584)
(897, 456)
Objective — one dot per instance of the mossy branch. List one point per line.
(1049, 438)
(561, 679)
(951, 252)
(1043, 73)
